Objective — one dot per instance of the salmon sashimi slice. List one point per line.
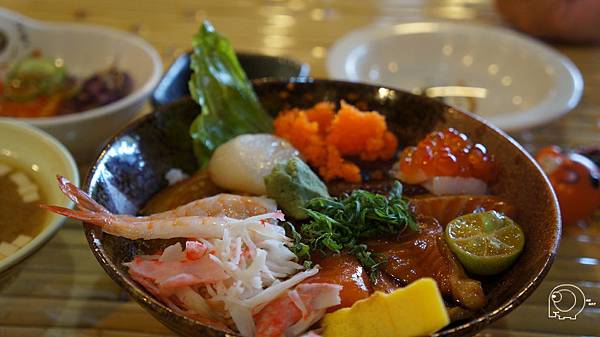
(344, 270)
(385, 283)
(425, 254)
(446, 208)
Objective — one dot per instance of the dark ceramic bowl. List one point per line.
(132, 167)
(174, 83)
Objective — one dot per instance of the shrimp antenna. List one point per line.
(79, 197)
(86, 216)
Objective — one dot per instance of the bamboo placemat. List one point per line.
(62, 291)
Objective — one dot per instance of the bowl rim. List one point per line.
(303, 70)
(553, 105)
(470, 326)
(138, 94)
(55, 222)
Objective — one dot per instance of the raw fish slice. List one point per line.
(425, 254)
(344, 270)
(446, 208)
(385, 283)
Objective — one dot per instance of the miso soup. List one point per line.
(21, 218)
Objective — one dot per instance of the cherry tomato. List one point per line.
(576, 182)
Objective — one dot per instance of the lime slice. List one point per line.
(486, 243)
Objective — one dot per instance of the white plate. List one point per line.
(527, 83)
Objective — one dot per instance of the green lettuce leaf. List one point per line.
(220, 86)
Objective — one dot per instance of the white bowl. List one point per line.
(527, 82)
(85, 49)
(44, 157)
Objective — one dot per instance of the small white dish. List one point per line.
(85, 49)
(43, 157)
(527, 82)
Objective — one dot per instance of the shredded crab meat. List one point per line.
(293, 294)
(250, 265)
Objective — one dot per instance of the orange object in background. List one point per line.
(576, 182)
(324, 137)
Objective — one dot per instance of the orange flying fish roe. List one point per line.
(446, 153)
(324, 137)
(294, 126)
(323, 113)
(362, 134)
(338, 167)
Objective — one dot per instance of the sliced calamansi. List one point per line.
(486, 243)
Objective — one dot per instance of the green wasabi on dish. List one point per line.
(292, 185)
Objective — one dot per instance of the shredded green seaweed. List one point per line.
(338, 224)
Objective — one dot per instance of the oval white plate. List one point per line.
(527, 83)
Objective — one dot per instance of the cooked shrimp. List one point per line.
(229, 205)
(146, 228)
(205, 218)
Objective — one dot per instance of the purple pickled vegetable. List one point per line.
(99, 89)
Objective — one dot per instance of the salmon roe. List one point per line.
(447, 153)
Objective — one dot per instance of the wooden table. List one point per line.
(62, 290)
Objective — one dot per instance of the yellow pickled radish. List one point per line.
(415, 310)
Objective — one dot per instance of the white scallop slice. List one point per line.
(242, 163)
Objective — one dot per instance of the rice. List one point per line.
(175, 175)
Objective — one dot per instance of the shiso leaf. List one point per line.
(219, 85)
